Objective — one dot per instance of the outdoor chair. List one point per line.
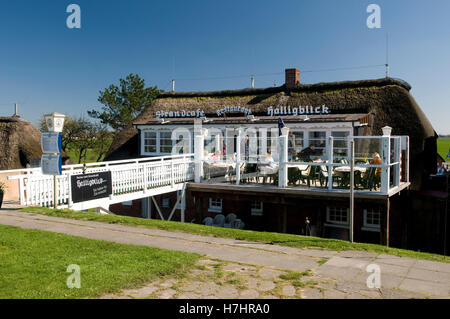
(208, 221)
(267, 172)
(323, 176)
(229, 220)
(294, 175)
(219, 220)
(371, 180)
(237, 224)
(312, 175)
(249, 173)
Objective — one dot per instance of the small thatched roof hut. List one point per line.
(20, 143)
(387, 100)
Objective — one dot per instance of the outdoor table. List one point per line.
(344, 172)
(346, 169)
(218, 169)
(300, 167)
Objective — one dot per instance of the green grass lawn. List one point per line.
(265, 237)
(443, 146)
(33, 264)
(91, 156)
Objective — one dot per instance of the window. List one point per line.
(272, 141)
(128, 203)
(165, 142)
(256, 208)
(340, 144)
(295, 143)
(337, 215)
(372, 219)
(166, 202)
(150, 142)
(318, 139)
(215, 205)
(155, 142)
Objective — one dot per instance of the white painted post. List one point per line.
(263, 141)
(407, 159)
(69, 201)
(397, 159)
(330, 161)
(283, 158)
(385, 161)
(55, 194)
(183, 203)
(172, 182)
(145, 173)
(352, 187)
(238, 156)
(21, 182)
(199, 141)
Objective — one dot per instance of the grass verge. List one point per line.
(443, 146)
(265, 237)
(34, 265)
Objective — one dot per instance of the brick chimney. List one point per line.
(292, 78)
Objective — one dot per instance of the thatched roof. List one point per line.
(387, 100)
(20, 143)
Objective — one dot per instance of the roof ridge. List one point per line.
(321, 86)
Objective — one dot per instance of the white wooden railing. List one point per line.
(128, 177)
(145, 177)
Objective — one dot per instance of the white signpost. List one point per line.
(51, 163)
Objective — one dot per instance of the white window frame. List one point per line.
(335, 223)
(144, 140)
(170, 139)
(346, 148)
(213, 205)
(370, 226)
(158, 142)
(256, 211)
(292, 145)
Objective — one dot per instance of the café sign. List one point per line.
(91, 186)
(271, 111)
(297, 110)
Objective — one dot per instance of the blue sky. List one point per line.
(47, 67)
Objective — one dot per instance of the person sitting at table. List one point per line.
(269, 159)
(441, 169)
(306, 153)
(376, 160)
(216, 156)
(269, 167)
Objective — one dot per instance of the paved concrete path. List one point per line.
(337, 275)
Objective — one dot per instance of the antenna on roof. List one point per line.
(387, 55)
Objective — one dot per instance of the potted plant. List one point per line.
(2, 192)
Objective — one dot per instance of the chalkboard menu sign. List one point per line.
(91, 186)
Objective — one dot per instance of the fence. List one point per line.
(127, 176)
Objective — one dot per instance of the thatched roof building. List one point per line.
(386, 101)
(20, 143)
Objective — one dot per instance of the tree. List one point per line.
(122, 104)
(72, 130)
(81, 135)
